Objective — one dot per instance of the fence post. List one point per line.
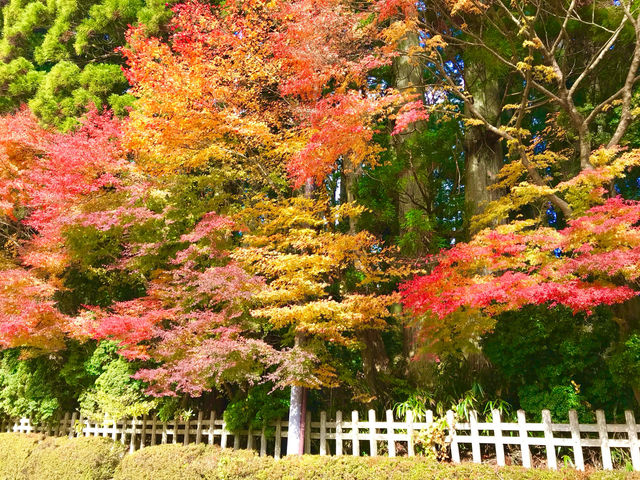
(339, 433)
(114, 432)
(249, 439)
(552, 462)
(323, 433)
(199, 428)
(307, 433)
(278, 445)
(72, 425)
(497, 433)
(455, 449)
(143, 432)
(410, 441)
(62, 426)
(187, 431)
(224, 435)
(391, 441)
(132, 443)
(263, 443)
(123, 436)
(604, 440)
(475, 437)
(355, 432)
(212, 426)
(373, 444)
(524, 439)
(164, 433)
(175, 431)
(632, 432)
(574, 424)
(154, 428)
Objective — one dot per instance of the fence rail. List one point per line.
(477, 441)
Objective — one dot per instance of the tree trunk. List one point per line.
(483, 150)
(409, 79)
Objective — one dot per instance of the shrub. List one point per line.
(83, 458)
(168, 462)
(197, 462)
(15, 449)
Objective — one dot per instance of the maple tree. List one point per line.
(45, 176)
(209, 94)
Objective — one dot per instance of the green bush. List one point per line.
(193, 462)
(34, 457)
(83, 458)
(168, 462)
(15, 449)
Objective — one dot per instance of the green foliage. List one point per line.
(556, 360)
(19, 81)
(33, 387)
(59, 56)
(114, 392)
(257, 409)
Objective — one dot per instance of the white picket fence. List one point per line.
(389, 437)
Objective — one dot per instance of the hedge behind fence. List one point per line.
(33, 457)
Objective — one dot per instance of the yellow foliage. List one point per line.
(319, 282)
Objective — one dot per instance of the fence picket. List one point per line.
(263, 443)
(199, 428)
(154, 428)
(524, 437)
(132, 443)
(278, 445)
(552, 462)
(391, 441)
(323, 433)
(187, 431)
(143, 432)
(607, 464)
(497, 433)
(224, 435)
(455, 449)
(373, 444)
(338, 433)
(475, 437)
(578, 456)
(307, 433)
(632, 433)
(212, 427)
(355, 431)
(175, 431)
(410, 446)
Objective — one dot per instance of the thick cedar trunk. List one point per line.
(409, 78)
(483, 149)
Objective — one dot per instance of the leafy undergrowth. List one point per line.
(34, 457)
